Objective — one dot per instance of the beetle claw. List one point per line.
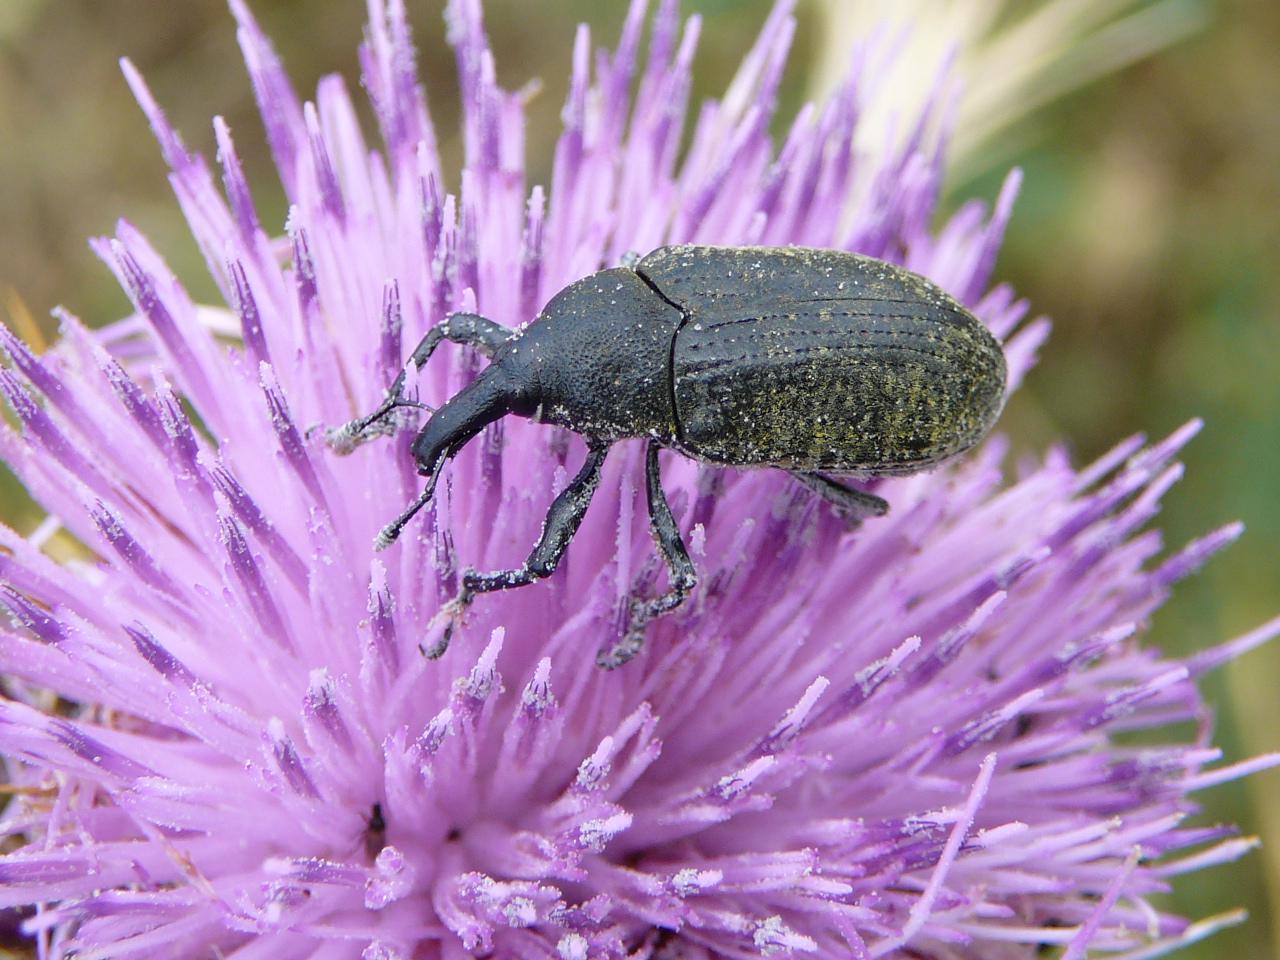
(436, 648)
(440, 629)
(626, 648)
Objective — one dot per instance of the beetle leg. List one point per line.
(469, 329)
(853, 504)
(563, 519)
(680, 569)
(389, 534)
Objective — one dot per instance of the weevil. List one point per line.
(817, 362)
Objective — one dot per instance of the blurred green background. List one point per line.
(1148, 228)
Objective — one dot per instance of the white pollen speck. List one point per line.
(690, 882)
(573, 947)
(381, 950)
(773, 937)
(520, 912)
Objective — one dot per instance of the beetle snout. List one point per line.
(484, 400)
(430, 445)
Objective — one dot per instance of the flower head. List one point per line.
(220, 730)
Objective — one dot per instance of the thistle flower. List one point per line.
(221, 735)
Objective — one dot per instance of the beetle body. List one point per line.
(812, 361)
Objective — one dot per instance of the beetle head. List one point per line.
(484, 400)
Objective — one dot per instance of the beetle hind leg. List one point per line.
(683, 575)
(854, 505)
(468, 329)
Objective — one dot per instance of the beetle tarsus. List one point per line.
(435, 651)
(387, 536)
(451, 613)
(631, 643)
(344, 439)
(391, 532)
(382, 422)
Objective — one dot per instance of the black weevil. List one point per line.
(813, 361)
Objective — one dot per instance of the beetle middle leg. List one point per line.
(680, 568)
(468, 329)
(854, 505)
(561, 523)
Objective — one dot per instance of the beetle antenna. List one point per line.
(392, 530)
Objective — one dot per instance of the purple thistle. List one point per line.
(223, 738)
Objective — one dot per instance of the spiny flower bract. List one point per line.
(224, 740)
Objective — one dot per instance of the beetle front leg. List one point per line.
(562, 522)
(683, 575)
(855, 505)
(468, 329)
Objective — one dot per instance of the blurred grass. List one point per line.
(1148, 228)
